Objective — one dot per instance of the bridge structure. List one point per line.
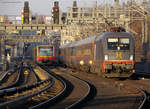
(11, 40)
(10, 27)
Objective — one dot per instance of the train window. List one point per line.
(45, 51)
(124, 43)
(86, 52)
(112, 43)
(124, 40)
(78, 52)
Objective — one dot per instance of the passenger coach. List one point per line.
(110, 54)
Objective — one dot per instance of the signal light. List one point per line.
(56, 9)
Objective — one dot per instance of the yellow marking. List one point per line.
(36, 99)
(118, 55)
(58, 72)
(26, 72)
(9, 73)
(46, 56)
(42, 75)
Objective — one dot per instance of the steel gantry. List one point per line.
(11, 27)
(18, 38)
(139, 12)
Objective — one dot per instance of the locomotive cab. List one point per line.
(118, 52)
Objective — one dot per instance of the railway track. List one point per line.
(12, 78)
(111, 94)
(38, 96)
(137, 80)
(9, 79)
(64, 88)
(141, 80)
(51, 95)
(60, 93)
(17, 78)
(12, 97)
(78, 91)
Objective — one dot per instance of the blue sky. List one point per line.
(42, 6)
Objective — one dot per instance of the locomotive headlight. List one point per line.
(131, 57)
(81, 62)
(106, 57)
(90, 62)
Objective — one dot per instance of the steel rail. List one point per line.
(145, 99)
(73, 106)
(16, 80)
(134, 76)
(4, 74)
(18, 77)
(142, 72)
(84, 97)
(37, 78)
(55, 97)
(13, 101)
(24, 88)
(145, 96)
(61, 93)
(139, 73)
(11, 89)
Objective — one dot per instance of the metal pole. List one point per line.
(3, 55)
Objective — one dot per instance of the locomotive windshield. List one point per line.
(45, 51)
(112, 43)
(124, 43)
(118, 43)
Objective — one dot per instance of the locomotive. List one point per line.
(110, 54)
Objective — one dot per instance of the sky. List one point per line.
(42, 6)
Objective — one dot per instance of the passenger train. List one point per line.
(110, 54)
(43, 53)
